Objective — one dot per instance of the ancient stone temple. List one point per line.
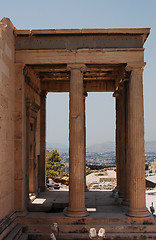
(78, 61)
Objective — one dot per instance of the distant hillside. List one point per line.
(150, 146)
(99, 148)
(60, 147)
(102, 147)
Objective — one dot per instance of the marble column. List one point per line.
(42, 159)
(117, 142)
(135, 143)
(84, 102)
(122, 142)
(126, 170)
(76, 206)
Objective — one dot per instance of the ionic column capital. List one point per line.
(77, 66)
(135, 66)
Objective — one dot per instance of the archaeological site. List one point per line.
(78, 61)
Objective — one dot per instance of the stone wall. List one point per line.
(32, 96)
(32, 93)
(6, 118)
(27, 99)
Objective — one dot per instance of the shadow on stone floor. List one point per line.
(56, 201)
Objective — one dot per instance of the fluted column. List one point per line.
(117, 141)
(76, 143)
(122, 142)
(42, 159)
(84, 102)
(126, 180)
(135, 143)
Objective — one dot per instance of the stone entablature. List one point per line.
(74, 39)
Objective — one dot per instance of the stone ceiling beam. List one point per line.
(89, 86)
(87, 56)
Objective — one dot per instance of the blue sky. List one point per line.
(91, 14)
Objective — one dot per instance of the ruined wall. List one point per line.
(6, 118)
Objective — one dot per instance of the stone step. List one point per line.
(49, 218)
(85, 228)
(24, 236)
(7, 225)
(111, 236)
(109, 228)
(15, 233)
(40, 236)
(85, 236)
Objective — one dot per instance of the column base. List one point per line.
(139, 213)
(69, 212)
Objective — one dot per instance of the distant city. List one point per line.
(103, 154)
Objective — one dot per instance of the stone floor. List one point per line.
(98, 203)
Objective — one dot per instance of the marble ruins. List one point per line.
(78, 61)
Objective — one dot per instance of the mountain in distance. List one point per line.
(102, 147)
(150, 146)
(98, 148)
(59, 146)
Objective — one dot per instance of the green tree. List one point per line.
(54, 164)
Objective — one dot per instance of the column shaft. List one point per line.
(42, 159)
(135, 145)
(122, 143)
(126, 185)
(117, 142)
(84, 101)
(76, 145)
